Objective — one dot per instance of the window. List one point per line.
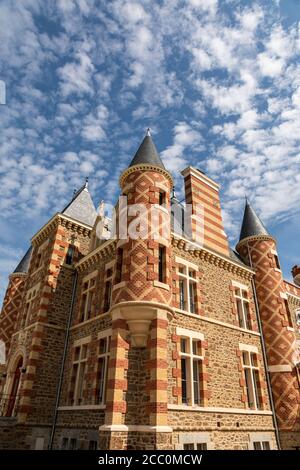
(102, 371)
(242, 305)
(288, 313)
(162, 263)
(191, 369)
(162, 198)
(78, 373)
(298, 316)
(73, 444)
(251, 376)
(87, 297)
(119, 265)
(108, 289)
(30, 298)
(277, 264)
(70, 255)
(261, 445)
(64, 443)
(195, 446)
(187, 289)
(93, 445)
(38, 261)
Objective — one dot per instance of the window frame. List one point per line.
(188, 355)
(101, 391)
(251, 376)
(185, 280)
(243, 315)
(87, 297)
(79, 369)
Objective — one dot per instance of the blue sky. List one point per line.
(218, 82)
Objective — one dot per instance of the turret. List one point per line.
(258, 249)
(141, 297)
(296, 275)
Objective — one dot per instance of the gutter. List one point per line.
(264, 356)
(61, 375)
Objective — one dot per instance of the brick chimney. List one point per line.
(296, 274)
(203, 192)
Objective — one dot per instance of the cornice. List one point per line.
(204, 254)
(107, 248)
(255, 238)
(144, 167)
(63, 220)
(13, 275)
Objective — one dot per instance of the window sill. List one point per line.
(162, 285)
(81, 407)
(119, 285)
(211, 409)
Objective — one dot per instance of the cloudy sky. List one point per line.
(218, 82)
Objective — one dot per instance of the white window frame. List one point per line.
(106, 336)
(194, 439)
(190, 337)
(243, 316)
(81, 363)
(260, 438)
(251, 368)
(88, 292)
(108, 266)
(187, 281)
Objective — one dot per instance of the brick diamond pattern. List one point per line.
(141, 256)
(279, 341)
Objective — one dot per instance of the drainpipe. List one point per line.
(264, 355)
(61, 375)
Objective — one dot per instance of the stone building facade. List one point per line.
(148, 331)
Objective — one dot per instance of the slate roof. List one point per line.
(24, 263)
(147, 154)
(252, 225)
(81, 207)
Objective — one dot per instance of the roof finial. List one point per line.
(246, 199)
(74, 192)
(148, 133)
(86, 182)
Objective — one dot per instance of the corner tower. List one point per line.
(141, 300)
(258, 249)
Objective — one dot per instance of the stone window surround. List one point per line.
(259, 437)
(274, 252)
(242, 287)
(30, 297)
(251, 349)
(107, 278)
(40, 250)
(79, 343)
(87, 292)
(284, 296)
(194, 438)
(190, 335)
(101, 335)
(187, 279)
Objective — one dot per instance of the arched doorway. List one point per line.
(12, 401)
